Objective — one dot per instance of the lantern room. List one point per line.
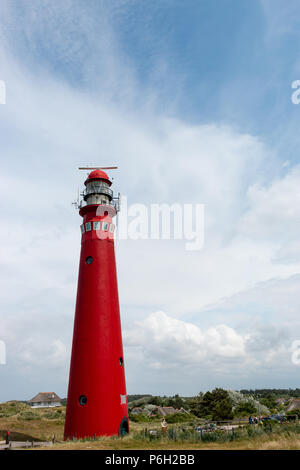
(98, 188)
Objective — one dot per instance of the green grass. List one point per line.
(42, 424)
(241, 434)
(28, 416)
(282, 437)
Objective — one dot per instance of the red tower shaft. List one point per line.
(97, 402)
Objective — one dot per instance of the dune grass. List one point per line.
(31, 423)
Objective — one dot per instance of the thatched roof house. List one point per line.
(163, 411)
(294, 404)
(281, 401)
(137, 410)
(182, 410)
(45, 400)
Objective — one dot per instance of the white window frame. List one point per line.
(88, 227)
(105, 226)
(112, 228)
(123, 399)
(96, 225)
(82, 228)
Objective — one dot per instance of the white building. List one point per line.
(45, 400)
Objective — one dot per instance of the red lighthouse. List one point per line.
(97, 402)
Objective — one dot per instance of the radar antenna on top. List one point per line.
(116, 200)
(97, 168)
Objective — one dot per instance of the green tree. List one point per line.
(178, 402)
(169, 402)
(156, 401)
(245, 409)
(222, 410)
(268, 401)
(215, 404)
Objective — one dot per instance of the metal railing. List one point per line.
(99, 189)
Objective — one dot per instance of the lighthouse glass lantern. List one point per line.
(97, 400)
(98, 191)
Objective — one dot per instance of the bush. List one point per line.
(178, 418)
(157, 401)
(238, 399)
(176, 402)
(6, 415)
(52, 414)
(12, 408)
(28, 416)
(245, 409)
(137, 418)
(294, 413)
(141, 418)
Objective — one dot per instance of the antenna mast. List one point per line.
(78, 204)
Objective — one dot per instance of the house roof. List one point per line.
(280, 400)
(45, 397)
(182, 410)
(164, 410)
(137, 409)
(294, 405)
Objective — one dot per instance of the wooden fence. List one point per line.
(23, 444)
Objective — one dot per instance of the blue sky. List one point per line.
(200, 58)
(193, 101)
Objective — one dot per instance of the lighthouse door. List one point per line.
(124, 428)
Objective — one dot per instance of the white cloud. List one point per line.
(37, 354)
(168, 342)
(193, 359)
(274, 210)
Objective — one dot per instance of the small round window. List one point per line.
(121, 361)
(82, 400)
(89, 260)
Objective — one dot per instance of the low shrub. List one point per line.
(5, 415)
(294, 413)
(178, 418)
(141, 418)
(28, 416)
(12, 408)
(52, 415)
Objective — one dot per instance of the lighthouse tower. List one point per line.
(97, 403)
